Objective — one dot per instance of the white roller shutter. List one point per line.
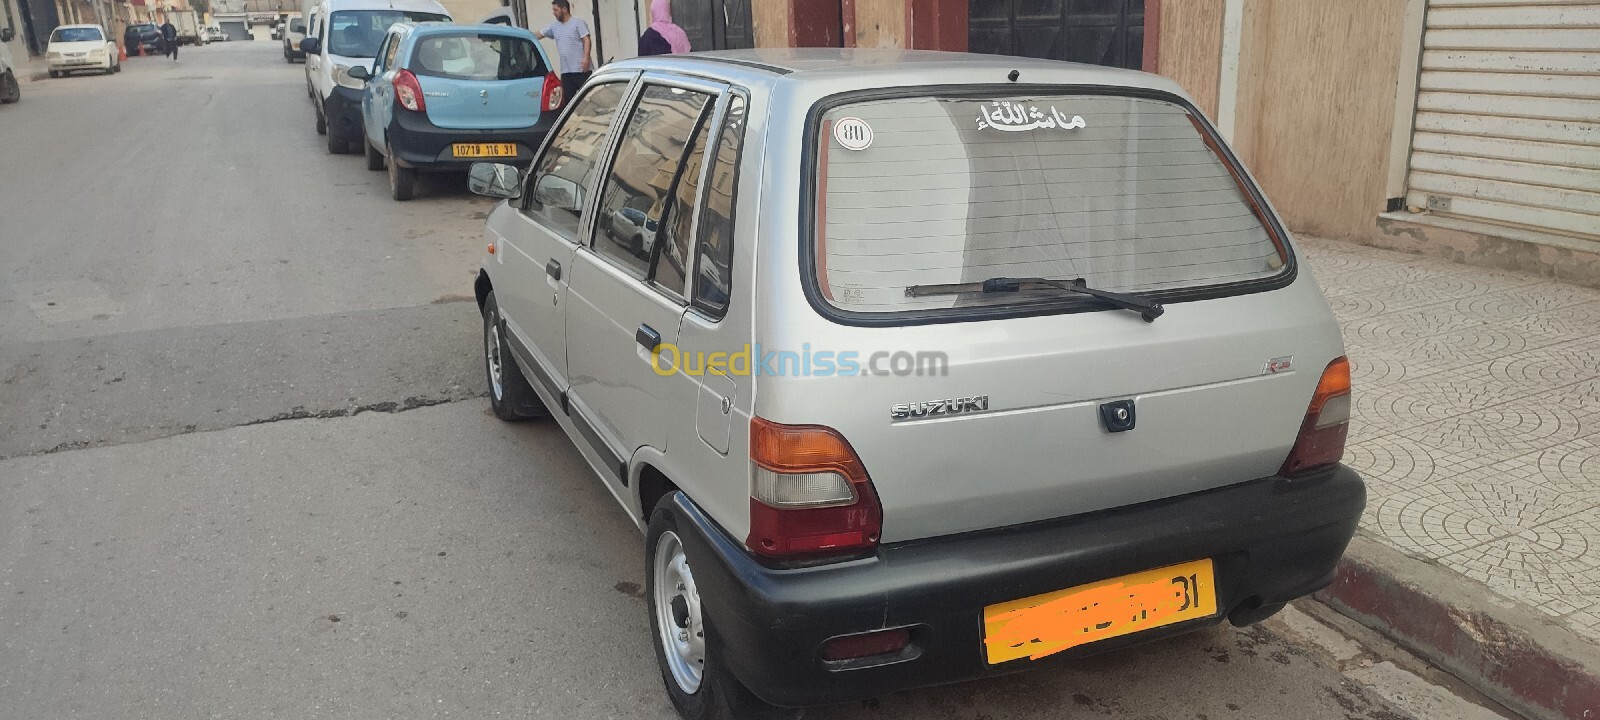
(1508, 114)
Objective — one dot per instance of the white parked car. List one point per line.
(215, 34)
(81, 47)
(343, 34)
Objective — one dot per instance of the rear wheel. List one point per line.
(322, 122)
(374, 157)
(698, 681)
(10, 89)
(510, 396)
(402, 180)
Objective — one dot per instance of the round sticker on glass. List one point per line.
(852, 133)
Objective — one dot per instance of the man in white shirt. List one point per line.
(572, 44)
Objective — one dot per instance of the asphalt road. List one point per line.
(246, 470)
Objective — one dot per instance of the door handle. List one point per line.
(648, 338)
(553, 269)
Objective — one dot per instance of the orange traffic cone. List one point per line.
(122, 53)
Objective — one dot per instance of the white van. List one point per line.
(341, 34)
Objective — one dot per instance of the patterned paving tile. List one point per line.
(1572, 467)
(1557, 560)
(1372, 368)
(1403, 326)
(1548, 368)
(1414, 403)
(1400, 463)
(1504, 431)
(1458, 514)
(1528, 300)
(1460, 347)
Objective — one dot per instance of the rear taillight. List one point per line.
(809, 493)
(1327, 423)
(552, 93)
(408, 92)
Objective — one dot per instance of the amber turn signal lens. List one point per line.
(491, 248)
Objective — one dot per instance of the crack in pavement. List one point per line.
(78, 393)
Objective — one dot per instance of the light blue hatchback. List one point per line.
(441, 96)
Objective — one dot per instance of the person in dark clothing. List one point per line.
(662, 37)
(169, 40)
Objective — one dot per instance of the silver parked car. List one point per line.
(931, 367)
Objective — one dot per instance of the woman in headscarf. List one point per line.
(662, 37)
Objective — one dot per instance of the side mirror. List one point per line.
(558, 192)
(359, 72)
(311, 46)
(495, 180)
(7, 35)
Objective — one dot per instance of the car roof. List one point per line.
(895, 67)
(437, 28)
(81, 25)
(401, 5)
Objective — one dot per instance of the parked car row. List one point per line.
(418, 94)
(1136, 431)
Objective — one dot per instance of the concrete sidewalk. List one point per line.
(1477, 425)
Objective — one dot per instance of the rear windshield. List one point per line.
(76, 35)
(1123, 193)
(358, 33)
(477, 57)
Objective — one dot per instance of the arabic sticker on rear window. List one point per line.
(1016, 117)
(852, 133)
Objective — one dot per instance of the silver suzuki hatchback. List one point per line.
(918, 367)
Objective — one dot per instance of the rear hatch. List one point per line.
(988, 405)
(480, 81)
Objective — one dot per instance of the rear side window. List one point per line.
(1124, 193)
(477, 57)
(714, 272)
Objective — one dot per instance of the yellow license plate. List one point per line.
(477, 150)
(1050, 623)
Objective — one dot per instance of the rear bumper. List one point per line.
(1271, 540)
(418, 143)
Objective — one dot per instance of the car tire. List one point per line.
(402, 180)
(116, 68)
(322, 122)
(54, 74)
(716, 693)
(10, 89)
(510, 396)
(375, 160)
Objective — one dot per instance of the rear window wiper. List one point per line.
(1147, 309)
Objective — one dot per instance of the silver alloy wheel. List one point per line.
(491, 353)
(677, 608)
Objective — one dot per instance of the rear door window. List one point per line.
(651, 156)
(1127, 194)
(477, 57)
(714, 251)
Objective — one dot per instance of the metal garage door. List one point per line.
(236, 30)
(1101, 32)
(1508, 114)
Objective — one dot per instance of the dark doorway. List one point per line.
(38, 19)
(714, 24)
(1099, 32)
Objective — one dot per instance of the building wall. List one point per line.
(1190, 48)
(1315, 108)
